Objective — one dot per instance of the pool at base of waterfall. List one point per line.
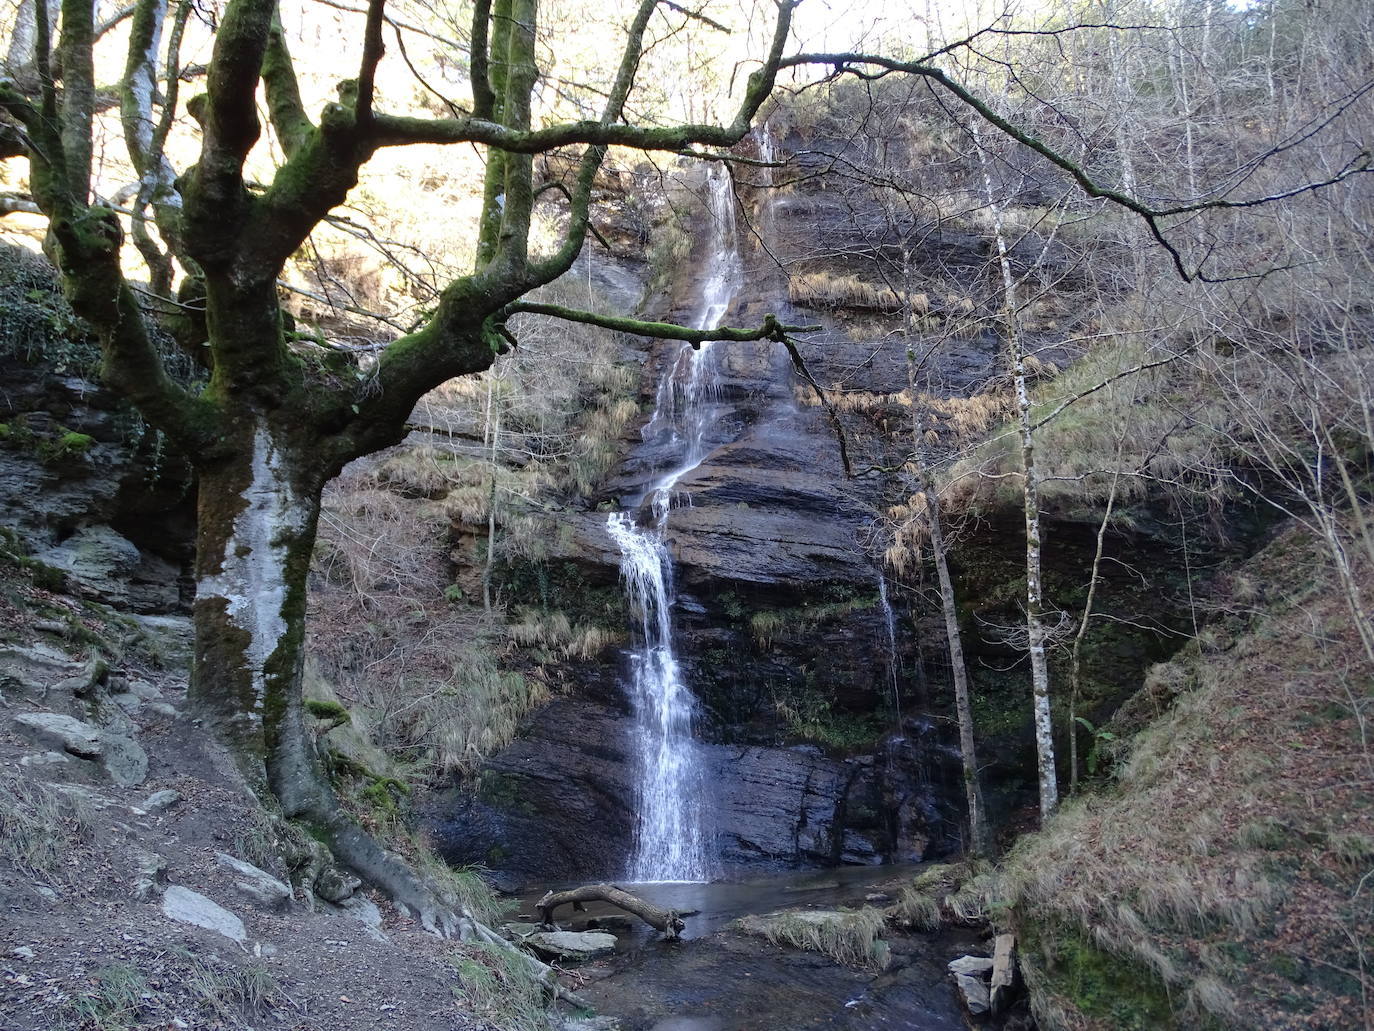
(718, 978)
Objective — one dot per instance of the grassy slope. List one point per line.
(1226, 878)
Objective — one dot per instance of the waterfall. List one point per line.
(893, 665)
(673, 840)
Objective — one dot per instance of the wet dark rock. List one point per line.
(773, 807)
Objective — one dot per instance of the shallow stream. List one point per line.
(717, 979)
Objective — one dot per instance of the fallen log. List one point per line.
(665, 920)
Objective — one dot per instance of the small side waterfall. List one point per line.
(894, 671)
(673, 839)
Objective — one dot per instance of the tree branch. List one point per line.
(76, 52)
(771, 329)
(479, 68)
(579, 199)
(372, 55)
(215, 196)
(799, 364)
(395, 131)
(284, 107)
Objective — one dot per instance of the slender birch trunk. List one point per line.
(1035, 624)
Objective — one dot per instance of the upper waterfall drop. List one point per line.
(673, 837)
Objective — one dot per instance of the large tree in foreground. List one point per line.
(274, 423)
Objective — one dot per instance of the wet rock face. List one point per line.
(559, 803)
(777, 622)
(90, 493)
(777, 627)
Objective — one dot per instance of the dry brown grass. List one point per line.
(946, 894)
(828, 290)
(555, 632)
(39, 824)
(850, 938)
(1174, 440)
(1219, 861)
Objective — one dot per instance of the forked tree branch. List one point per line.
(372, 56)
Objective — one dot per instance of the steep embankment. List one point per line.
(1223, 878)
(142, 882)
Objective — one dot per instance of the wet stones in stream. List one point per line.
(735, 982)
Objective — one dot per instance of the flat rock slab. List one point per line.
(66, 733)
(191, 907)
(257, 885)
(971, 966)
(572, 946)
(122, 758)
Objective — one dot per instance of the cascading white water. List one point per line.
(893, 666)
(673, 840)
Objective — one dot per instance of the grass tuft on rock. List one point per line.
(850, 938)
(39, 824)
(497, 985)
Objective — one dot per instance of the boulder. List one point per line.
(190, 907)
(971, 966)
(335, 885)
(152, 875)
(572, 946)
(136, 694)
(159, 801)
(1003, 984)
(66, 733)
(98, 561)
(974, 992)
(258, 886)
(122, 758)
